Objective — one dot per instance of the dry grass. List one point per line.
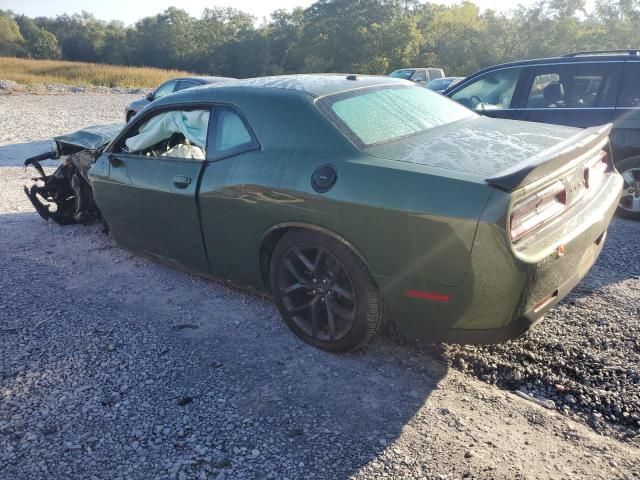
(31, 72)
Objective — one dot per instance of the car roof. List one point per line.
(316, 85)
(417, 68)
(578, 57)
(203, 79)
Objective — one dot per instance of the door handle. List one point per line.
(180, 181)
(115, 161)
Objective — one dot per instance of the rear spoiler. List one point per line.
(551, 159)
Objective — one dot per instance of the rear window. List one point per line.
(372, 116)
(435, 73)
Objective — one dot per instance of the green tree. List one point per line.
(283, 33)
(38, 42)
(368, 36)
(10, 38)
(216, 32)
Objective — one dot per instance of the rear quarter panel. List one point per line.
(405, 221)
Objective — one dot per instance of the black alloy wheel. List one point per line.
(324, 292)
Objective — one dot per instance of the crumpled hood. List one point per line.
(89, 138)
(480, 146)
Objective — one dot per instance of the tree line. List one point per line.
(364, 36)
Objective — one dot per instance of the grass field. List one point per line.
(77, 73)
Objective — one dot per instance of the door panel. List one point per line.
(150, 206)
(146, 185)
(581, 118)
(625, 138)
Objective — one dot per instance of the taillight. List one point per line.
(532, 212)
(594, 173)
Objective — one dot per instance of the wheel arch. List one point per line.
(273, 235)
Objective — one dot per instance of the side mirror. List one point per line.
(150, 96)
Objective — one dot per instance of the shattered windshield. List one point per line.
(371, 116)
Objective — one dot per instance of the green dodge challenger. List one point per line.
(350, 200)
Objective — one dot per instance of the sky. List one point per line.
(129, 11)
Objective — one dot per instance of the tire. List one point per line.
(313, 275)
(629, 206)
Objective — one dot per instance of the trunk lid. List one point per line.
(573, 151)
(503, 152)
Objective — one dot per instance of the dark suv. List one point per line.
(580, 89)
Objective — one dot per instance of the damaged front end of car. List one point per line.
(66, 196)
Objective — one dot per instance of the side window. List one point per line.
(492, 91)
(630, 91)
(174, 133)
(435, 73)
(182, 84)
(543, 84)
(419, 76)
(231, 131)
(573, 86)
(165, 89)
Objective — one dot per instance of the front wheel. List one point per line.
(629, 206)
(324, 292)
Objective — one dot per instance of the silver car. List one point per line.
(168, 87)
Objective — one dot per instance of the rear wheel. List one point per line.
(629, 206)
(324, 292)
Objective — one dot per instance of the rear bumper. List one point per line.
(502, 295)
(535, 312)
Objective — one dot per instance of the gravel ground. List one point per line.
(584, 358)
(112, 366)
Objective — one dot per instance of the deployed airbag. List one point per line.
(190, 123)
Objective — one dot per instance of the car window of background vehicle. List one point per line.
(165, 89)
(493, 90)
(182, 84)
(420, 76)
(176, 134)
(404, 74)
(630, 91)
(435, 73)
(571, 86)
(439, 84)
